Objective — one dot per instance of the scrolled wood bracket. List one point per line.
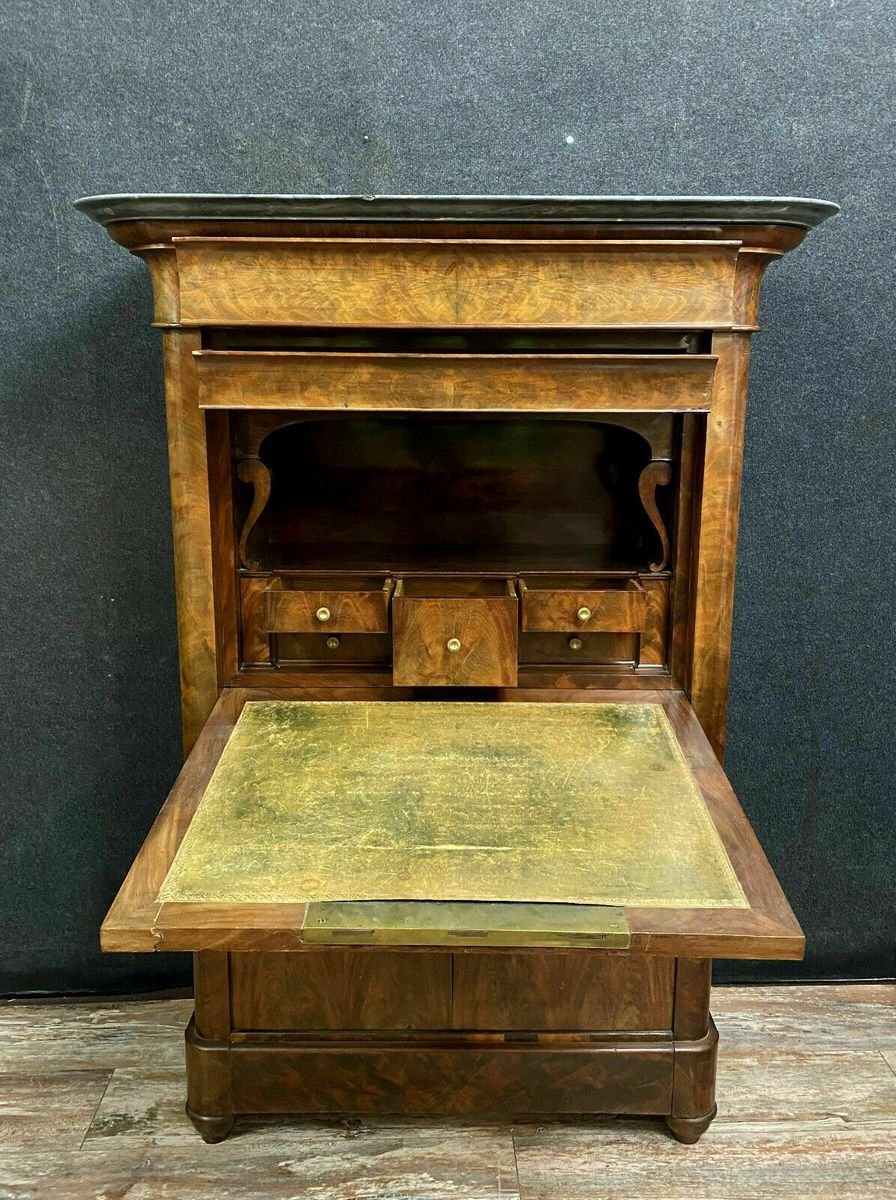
(657, 473)
(253, 470)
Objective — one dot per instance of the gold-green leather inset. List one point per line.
(565, 803)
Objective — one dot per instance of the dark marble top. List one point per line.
(639, 210)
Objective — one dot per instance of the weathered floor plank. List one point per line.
(48, 1110)
(807, 1099)
(299, 1161)
(772, 1085)
(93, 1033)
(145, 1107)
(814, 1017)
(635, 1161)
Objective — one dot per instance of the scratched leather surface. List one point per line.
(578, 803)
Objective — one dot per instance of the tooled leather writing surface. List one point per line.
(573, 803)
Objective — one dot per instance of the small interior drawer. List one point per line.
(584, 605)
(331, 649)
(338, 605)
(454, 633)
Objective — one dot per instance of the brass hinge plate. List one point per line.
(465, 923)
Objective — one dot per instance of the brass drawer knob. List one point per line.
(453, 645)
(575, 643)
(584, 614)
(323, 614)
(332, 643)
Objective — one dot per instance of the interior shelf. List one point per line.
(366, 557)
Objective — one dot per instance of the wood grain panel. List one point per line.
(574, 991)
(341, 989)
(454, 382)
(408, 282)
(255, 645)
(654, 649)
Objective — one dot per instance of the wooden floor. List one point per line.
(91, 1105)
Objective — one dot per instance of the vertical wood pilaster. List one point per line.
(191, 522)
(716, 543)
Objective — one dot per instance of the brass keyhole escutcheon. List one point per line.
(453, 645)
(575, 643)
(323, 614)
(332, 643)
(584, 614)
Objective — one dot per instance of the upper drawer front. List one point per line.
(310, 610)
(455, 382)
(588, 610)
(398, 282)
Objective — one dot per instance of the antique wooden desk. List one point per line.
(452, 452)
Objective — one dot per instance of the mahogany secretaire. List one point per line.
(455, 492)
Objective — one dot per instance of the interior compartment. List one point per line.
(433, 493)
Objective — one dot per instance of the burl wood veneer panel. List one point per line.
(454, 382)
(424, 283)
(450, 1081)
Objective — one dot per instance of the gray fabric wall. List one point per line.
(678, 96)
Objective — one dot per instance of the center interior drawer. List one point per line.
(454, 633)
(349, 605)
(571, 605)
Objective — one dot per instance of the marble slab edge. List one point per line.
(636, 210)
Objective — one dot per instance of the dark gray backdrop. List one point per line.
(675, 96)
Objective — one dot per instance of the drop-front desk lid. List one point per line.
(605, 823)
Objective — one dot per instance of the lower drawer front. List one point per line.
(559, 992)
(477, 1082)
(574, 649)
(341, 989)
(345, 989)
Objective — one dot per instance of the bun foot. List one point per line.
(211, 1129)
(690, 1129)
